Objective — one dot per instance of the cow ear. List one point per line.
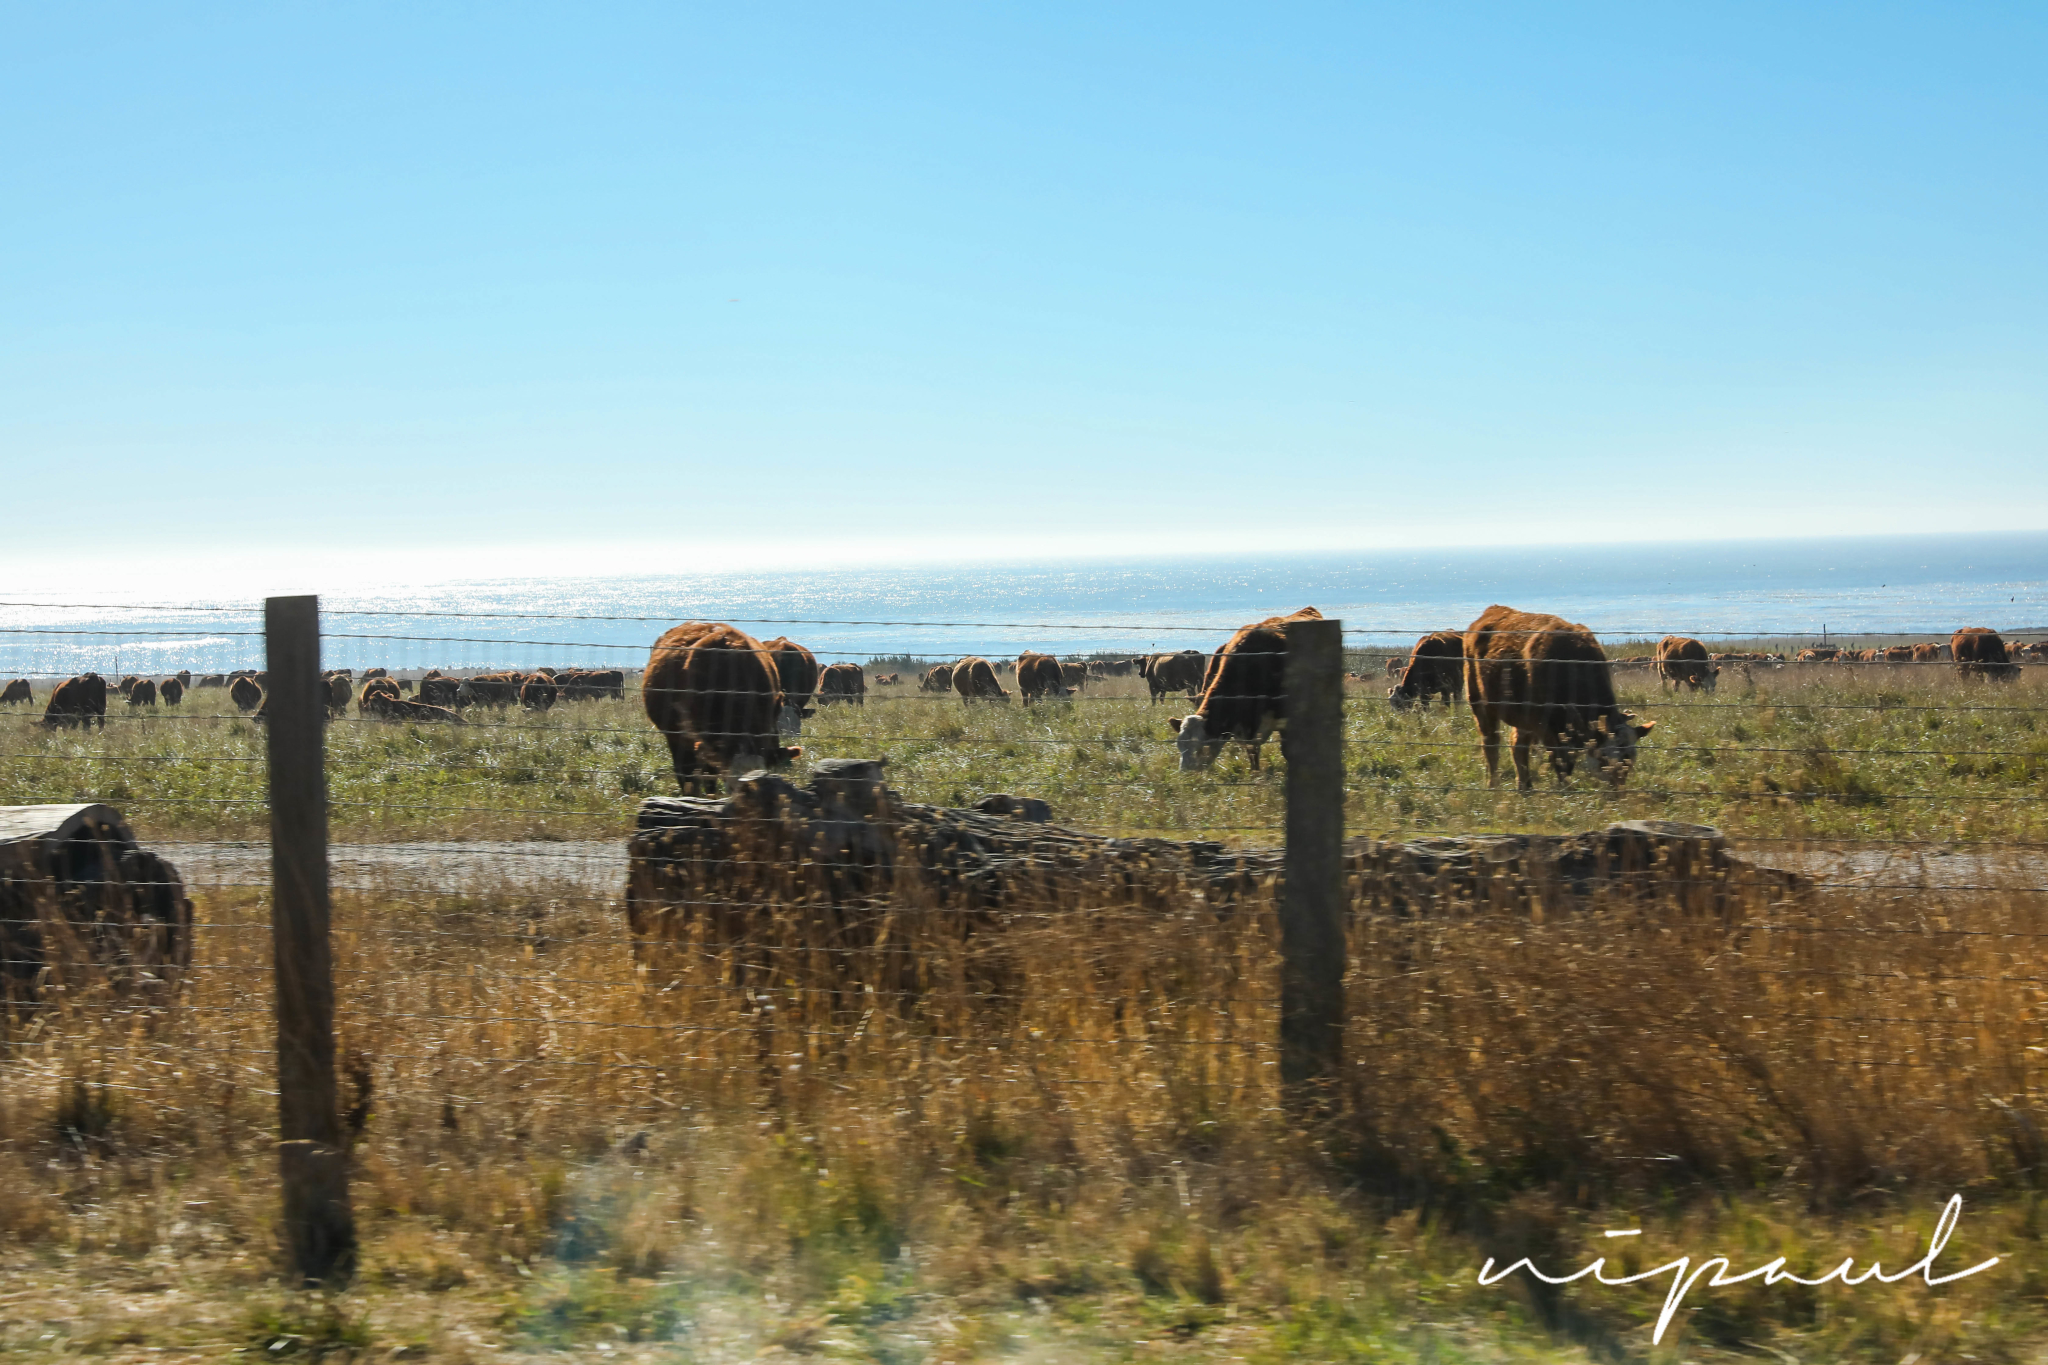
(1645, 727)
(791, 753)
(1173, 724)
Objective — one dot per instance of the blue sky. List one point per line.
(641, 287)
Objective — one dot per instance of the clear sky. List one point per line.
(615, 286)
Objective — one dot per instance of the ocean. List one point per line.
(1797, 591)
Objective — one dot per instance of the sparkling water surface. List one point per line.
(1922, 586)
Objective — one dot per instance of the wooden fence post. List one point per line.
(319, 1225)
(1312, 907)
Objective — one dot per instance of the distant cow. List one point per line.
(184, 676)
(492, 689)
(440, 692)
(843, 683)
(1817, 656)
(127, 684)
(796, 669)
(1981, 654)
(143, 693)
(338, 695)
(370, 673)
(975, 680)
(79, 701)
(1681, 661)
(172, 690)
(1164, 673)
(1073, 675)
(245, 694)
(18, 691)
(1550, 680)
(1926, 654)
(1436, 667)
(1244, 694)
(537, 693)
(376, 697)
(714, 694)
(938, 678)
(212, 680)
(1038, 676)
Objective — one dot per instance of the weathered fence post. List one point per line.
(1312, 909)
(319, 1225)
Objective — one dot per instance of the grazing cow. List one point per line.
(1926, 654)
(1244, 694)
(1550, 680)
(1817, 656)
(1436, 667)
(537, 693)
(1112, 668)
(18, 691)
(440, 692)
(1164, 673)
(79, 701)
(1682, 661)
(370, 673)
(975, 680)
(797, 668)
(1038, 675)
(493, 689)
(1981, 654)
(213, 680)
(376, 695)
(143, 693)
(127, 684)
(938, 678)
(172, 690)
(1898, 654)
(184, 676)
(245, 693)
(713, 692)
(338, 695)
(842, 682)
(1073, 675)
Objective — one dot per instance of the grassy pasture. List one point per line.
(1807, 752)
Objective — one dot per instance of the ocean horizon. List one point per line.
(1797, 591)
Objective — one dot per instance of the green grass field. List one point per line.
(1823, 753)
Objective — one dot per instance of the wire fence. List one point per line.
(1800, 927)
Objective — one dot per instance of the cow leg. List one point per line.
(1489, 744)
(1252, 750)
(1523, 781)
(682, 752)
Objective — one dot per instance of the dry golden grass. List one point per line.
(1055, 1136)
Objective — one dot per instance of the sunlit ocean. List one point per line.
(1797, 590)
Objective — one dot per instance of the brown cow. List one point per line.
(492, 689)
(1817, 656)
(79, 701)
(213, 680)
(713, 692)
(938, 678)
(797, 667)
(245, 693)
(537, 693)
(127, 684)
(376, 696)
(1182, 672)
(143, 693)
(1550, 680)
(1979, 653)
(1435, 667)
(18, 691)
(171, 690)
(1682, 661)
(975, 680)
(1926, 654)
(184, 676)
(1073, 675)
(370, 673)
(843, 682)
(439, 691)
(1244, 694)
(339, 693)
(1038, 675)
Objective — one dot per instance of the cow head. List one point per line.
(1198, 749)
(1614, 751)
(1711, 679)
(1401, 700)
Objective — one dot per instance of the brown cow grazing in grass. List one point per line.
(1682, 661)
(339, 693)
(18, 691)
(1244, 694)
(439, 691)
(843, 683)
(245, 693)
(1073, 675)
(79, 701)
(1182, 672)
(1436, 667)
(713, 692)
(1038, 675)
(538, 692)
(376, 694)
(1981, 654)
(171, 691)
(213, 680)
(1550, 681)
(1926, 654)
(143, 693)
(797, 667)
(184, 676)
(127, 684)
(938, 678)
(975, 680)
(492, 689)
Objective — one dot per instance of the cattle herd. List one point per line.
(724, 702)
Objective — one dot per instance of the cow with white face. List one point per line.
(1244, 694)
